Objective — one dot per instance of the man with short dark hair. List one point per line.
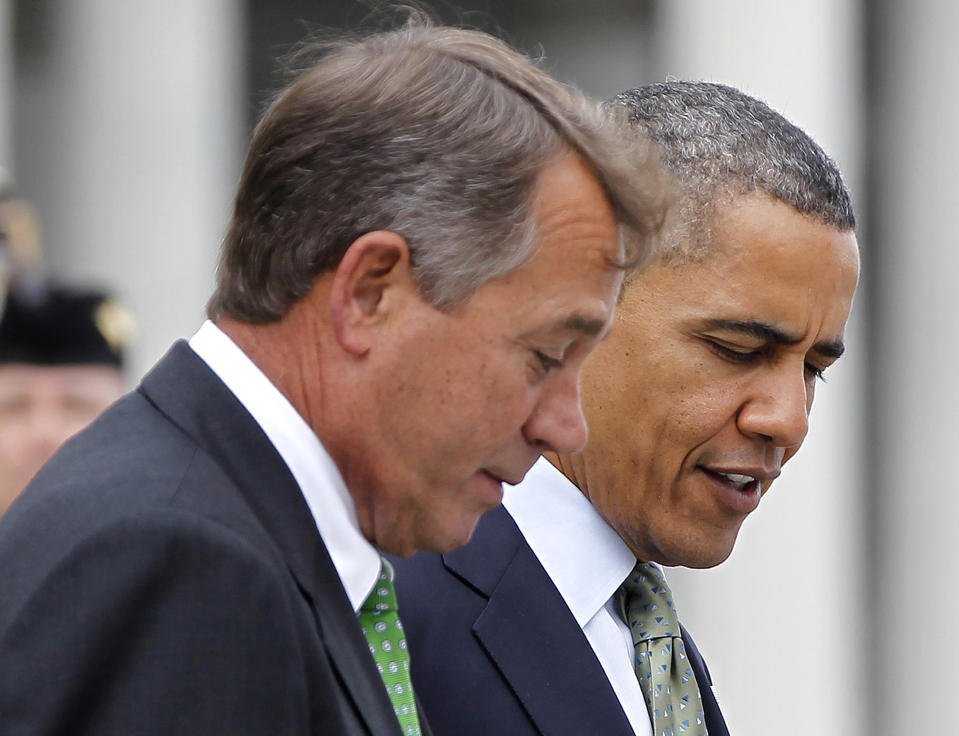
(428, 238)
(556, 618)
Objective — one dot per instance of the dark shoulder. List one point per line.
(161, 600)
(132, 478)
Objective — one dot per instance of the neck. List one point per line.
(285, 356)
(297, 353)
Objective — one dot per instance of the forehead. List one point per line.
(765, 262)
(577, 241)
(26, 378)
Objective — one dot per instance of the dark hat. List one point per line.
(52, 325)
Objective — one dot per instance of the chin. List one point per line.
(450, 537)
(694, 550)
(396, 547)
(439, 541)
(707, 555)
(703, 561)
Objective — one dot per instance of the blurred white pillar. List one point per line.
(917, 352)
(781, 622)
(137, 115)
(6, 86)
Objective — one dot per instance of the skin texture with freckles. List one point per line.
(483, 390)
(426, 412)
(711, 369)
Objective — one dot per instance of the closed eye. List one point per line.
(548, 362)
(740, 356)
(748, 356)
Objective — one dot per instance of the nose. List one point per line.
(778, 410)
(557, 422)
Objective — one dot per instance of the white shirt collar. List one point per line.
(356, 560)
(584, 557)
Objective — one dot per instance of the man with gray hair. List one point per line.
(428, 238)
(557, 618)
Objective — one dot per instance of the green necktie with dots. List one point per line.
(384, 633)
(665, 676)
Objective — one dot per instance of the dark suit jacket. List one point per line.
(163, 575)
(496, 650)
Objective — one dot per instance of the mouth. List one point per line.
(740, 481)
(509, 475)
(494, 488)
(739, 489)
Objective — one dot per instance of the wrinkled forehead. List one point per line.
(761, 260)
(703, 218)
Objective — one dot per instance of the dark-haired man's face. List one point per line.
(704, 388)
(40, 407)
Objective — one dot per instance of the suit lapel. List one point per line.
(184, 388)
(715, 723)
(530, 634)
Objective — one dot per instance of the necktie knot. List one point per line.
(647, 604)
(383, 596)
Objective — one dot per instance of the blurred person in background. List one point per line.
(556, 618)
(61, 365)
(427, 241)
(61, 351)
(21, 257)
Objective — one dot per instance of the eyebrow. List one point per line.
(589, 326)
(768, 333)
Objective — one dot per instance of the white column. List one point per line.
(917, 354)
(138, 115)
(781, 622)
(6, 87)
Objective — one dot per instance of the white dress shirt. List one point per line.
(356, 560)
(587, 562)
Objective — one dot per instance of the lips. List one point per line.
(738, 489)
(741, 478)
(510, 476)
(739, 481)
(493, 494)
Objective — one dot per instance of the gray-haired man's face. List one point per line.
(468, 399)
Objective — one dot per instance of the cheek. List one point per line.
(625, 501)
(617, 392)
(482, 402)
(69, 426)
(11, 443)
(705, 406)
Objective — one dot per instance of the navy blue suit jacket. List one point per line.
(163, 575)
(496, 650)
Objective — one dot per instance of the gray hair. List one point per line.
(719, 143)
(435, 133)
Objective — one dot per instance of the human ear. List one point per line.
(373, 265)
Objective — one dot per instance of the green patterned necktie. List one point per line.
(384, 633)
(667, 681)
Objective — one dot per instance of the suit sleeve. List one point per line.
(163, 623)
